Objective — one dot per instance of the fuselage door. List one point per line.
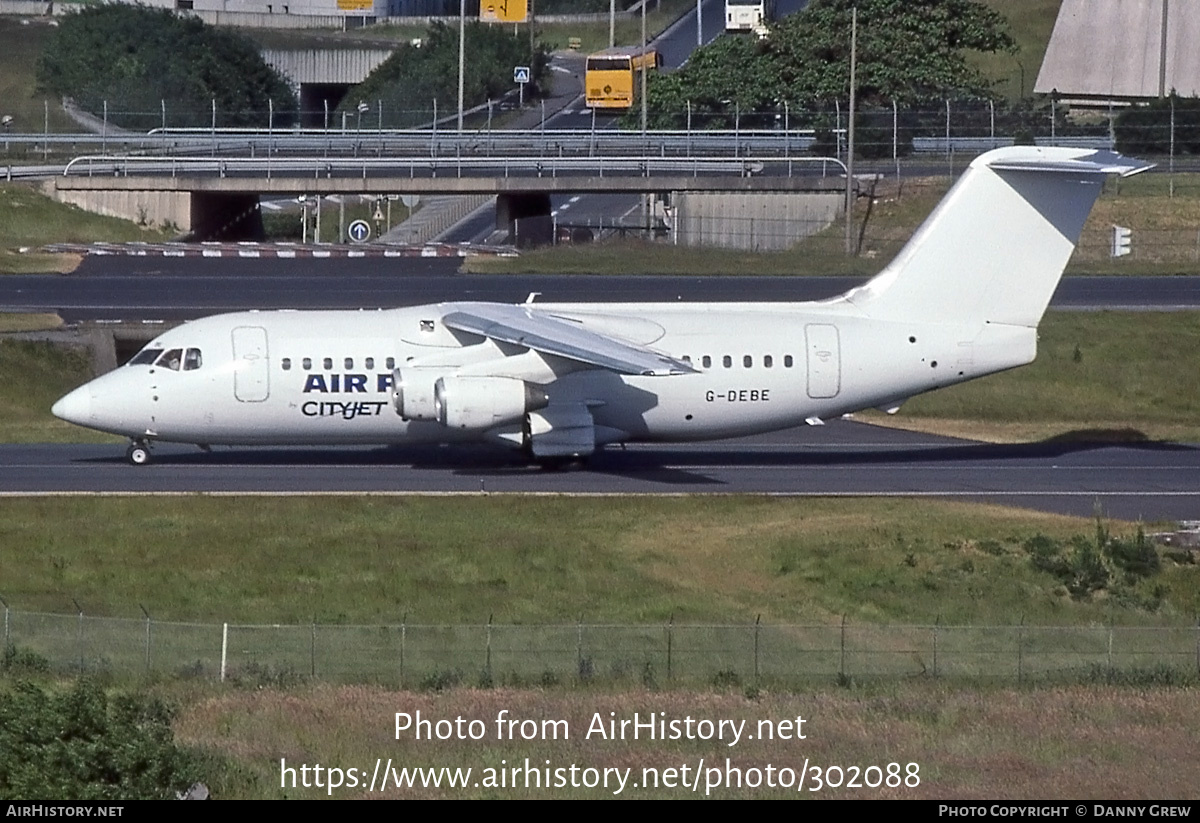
(251, 366)
(824, 360)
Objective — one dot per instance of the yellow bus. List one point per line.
(612, 78)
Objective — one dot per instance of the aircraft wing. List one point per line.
(560, 337)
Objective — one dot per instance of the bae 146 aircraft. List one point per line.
(559, 380)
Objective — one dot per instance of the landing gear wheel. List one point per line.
(138, 454)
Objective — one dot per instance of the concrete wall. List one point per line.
(1123, 48)
(300, 66)
(152, 208)
(336, 10)
(27, 8)
(753, 221)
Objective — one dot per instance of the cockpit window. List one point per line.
(145, 357)
(171, 360)
(192, 360)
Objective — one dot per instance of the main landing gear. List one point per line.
(138, 453)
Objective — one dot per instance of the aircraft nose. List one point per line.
(75, 407)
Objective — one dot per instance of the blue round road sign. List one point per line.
(359, 231)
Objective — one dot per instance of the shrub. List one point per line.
(82, 745)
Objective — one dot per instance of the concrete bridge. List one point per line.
(217, 198)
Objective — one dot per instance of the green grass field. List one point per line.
(21, 43)
(28, 220)
(1009, 744)
(623, 560)
(1030, 23)
(1166, 238)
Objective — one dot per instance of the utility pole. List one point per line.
(644, 68)
(850, 131)
(462, 48)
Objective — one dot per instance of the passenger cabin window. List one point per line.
(687, 358)
(328, 364)
(306, 363)
(349, 363)
(768, 361)
(787, 361)
(727, 362)
(192, 360)
(706, 361)
(287, 364)
(391, 362)
(369, 363)
(145, 357)
(171, 360)
(747, 361)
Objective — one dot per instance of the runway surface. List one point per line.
(141, 289)
(1150, 481)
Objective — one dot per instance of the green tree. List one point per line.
(1147, 129)
(910, 51)
(133, 58)
(80, 745)
(407, 83)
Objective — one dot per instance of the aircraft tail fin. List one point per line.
(995, 248)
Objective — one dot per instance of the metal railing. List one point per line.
(458, 166)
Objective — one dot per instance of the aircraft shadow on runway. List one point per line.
(674, 465)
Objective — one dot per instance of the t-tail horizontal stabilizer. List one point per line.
(995, 248)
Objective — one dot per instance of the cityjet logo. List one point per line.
(346, 383)
(346, 411)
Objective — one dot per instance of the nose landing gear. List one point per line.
(138, 453)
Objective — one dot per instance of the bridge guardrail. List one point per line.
(318, 167)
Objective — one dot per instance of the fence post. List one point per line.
(670, 639)
(79, 636)
(579, 646)
(487, 666)
(312, 650)
(757, 627)
(1110, 645)
(837, 131)
(936, 625)
(1171, 174)
(224, 648)
(8, 641)
(143, 608)
(842, 657)
(403, 641)
(1021, 651)
(787, 132)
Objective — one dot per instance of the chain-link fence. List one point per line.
(424, 655)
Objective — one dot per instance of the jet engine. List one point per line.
(478, 403)
(412, 393)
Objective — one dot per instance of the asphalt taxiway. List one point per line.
(1147, 481)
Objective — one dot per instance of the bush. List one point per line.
(83, 746)
(1147, 129)
(134, 58)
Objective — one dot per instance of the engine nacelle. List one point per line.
(477, 403)
(412, 393)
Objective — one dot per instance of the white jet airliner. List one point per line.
(962, 299)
